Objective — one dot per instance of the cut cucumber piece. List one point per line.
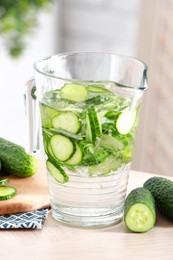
(76, 158)
(74, 92)
(110, 164)
(62, 147)
(96, 120)
(110, 129)
(73, 108)
(7, 192)
(49, 151)
(4, 181)
(139, 210)
(67, 121)
(94, 155)
(93, 127)
(47, 113)
(112, 115)
(111, 143)
(90, 131)
(125, 121)
(47, 133)
(57, 172)
(96, 100)
(70, 135)
(98, 88)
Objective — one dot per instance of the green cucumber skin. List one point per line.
(15, 160)
(140, 195)
(162, 190)
(59, 168)
(10, 195)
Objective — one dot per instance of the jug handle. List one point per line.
(32, 117)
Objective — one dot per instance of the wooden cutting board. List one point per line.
(32, 192)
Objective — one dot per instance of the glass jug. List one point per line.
(84, 109)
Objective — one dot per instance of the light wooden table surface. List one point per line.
(57, 241)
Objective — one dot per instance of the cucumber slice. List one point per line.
(62, 147)
(57, 172)
(47, 113)
(90, 131)
(111, 143)
(98, 88)
(74, 92)
(94, 155)
(112, 115)
(70, 135)
(47, 133)
(96, 100)
(7, 192)
(73, 108)
(139, 210)
(67, 121)
(110, 129)
(125, 121)
(96, 120)
(4, 181)
(110, 164)
(49, 151)
(76, 158)
(93, 127)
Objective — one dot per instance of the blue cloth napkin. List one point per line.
(27, 220)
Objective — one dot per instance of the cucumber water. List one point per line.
(87, 129)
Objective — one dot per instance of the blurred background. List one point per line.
(138, 28)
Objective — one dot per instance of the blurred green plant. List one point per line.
(18, 18)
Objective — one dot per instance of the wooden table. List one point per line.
(57, 241)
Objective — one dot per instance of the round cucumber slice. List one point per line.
(62, 147)
(139, 218)
(7, 192)
(4, 181)
(67, 121)
(125, 121)
(74, 92)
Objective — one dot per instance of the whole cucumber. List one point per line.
(162, 190)
(15, 160)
